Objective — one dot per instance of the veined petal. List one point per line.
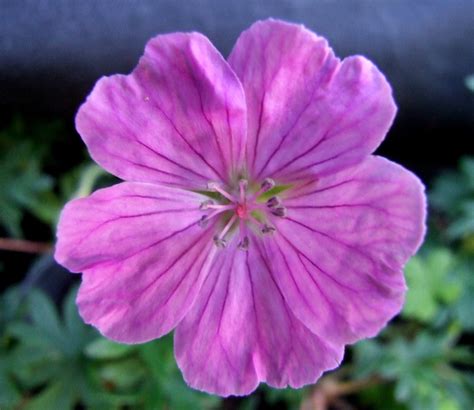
(241, 332)
(308, 112)
(142, 255)
(341, 249)
(179, 118)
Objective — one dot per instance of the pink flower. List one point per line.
(263, 283)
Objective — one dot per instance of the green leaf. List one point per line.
(166, 387)
(430, 285)
(77, 332)
(277, 189)
(122, 375)
(21, 176)
(46, 319)
(9, 392)
(57, 396)
(102, 348)
(29, 335)
(464, 308)
(453, 197)
(420, 369)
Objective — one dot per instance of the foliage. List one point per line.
(57, 362)
(23, 150)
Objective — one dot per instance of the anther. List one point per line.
(206, 204)
(212, 186)
(273, 202)
(219, 242)
(267, 229)
(203, 221)
(279, 211)
(267, 184)
(244, 244)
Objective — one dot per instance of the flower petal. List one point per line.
(142, 255)
(241, 332)
(179, 118)
(307, 111)
(341, 249)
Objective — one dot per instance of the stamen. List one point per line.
(240, 210)
(205, 204)
(218, 209)
(264, 228)
(203, 221)
(280, 211)
(215, 187)
(244, 240)
(267, 229)
(222, 207)
(266, 185)
(219, 240)
(273, 202)
(244, 244)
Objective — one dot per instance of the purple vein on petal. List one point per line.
(178, 132)
(352, 247)
(172, 161)
(154, 244)
(316, 191)
(133, 137)
(201, 107)
(327, 137)
(320, 162)
(300, 254)
(311, 100)
(283, 301)
(259, 127)
(191, 265)
(119, 217)
(302, 294)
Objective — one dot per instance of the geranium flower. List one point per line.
(254, 220)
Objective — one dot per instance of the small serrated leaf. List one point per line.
(102, 348)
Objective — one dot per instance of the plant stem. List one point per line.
(330, 390)
(20, 245)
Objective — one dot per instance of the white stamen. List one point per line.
(215, 187)
(219, 240)
(205, 204)
(218, 209)
(267, 184)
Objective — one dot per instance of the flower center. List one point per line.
(240, 210)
